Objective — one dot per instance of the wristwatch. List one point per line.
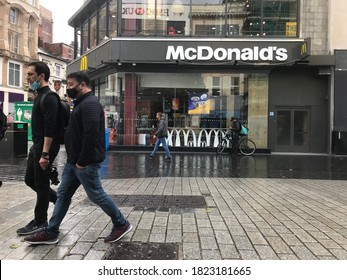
(45, 155)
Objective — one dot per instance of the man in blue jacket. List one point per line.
(85, 149)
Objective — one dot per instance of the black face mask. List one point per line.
(72, 92)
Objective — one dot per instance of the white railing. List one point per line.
(200, 137)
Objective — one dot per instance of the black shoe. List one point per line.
(168, 158)
(150, 157)
(31, 228)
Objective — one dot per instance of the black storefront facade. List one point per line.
(274, 86)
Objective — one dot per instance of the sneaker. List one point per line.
(41, 237)
(31, 228)
(168, 158)
(118, 232)
(150, 157)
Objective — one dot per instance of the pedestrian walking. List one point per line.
(235, 133)
(161, 136)
(45, 145)
(85, 149)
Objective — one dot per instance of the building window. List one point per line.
(13, 42)
(58, 70)
(14, 74)
(32, 2)
(30, 23)
(69, 54)
(14, 16)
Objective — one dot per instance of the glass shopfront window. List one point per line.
(193, 18)
(198, 106)
(93, 32)
(112, 32)
(102, 24)
(210, 18)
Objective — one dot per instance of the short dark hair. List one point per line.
(80, 76)
(41, 68)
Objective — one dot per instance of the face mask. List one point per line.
(72, 92)
(35, 85)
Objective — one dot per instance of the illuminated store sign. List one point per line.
(200, 53)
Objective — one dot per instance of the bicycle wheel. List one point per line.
(247, 147)
(221, 147)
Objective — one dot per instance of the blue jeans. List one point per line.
(161, 140)
(89, 177)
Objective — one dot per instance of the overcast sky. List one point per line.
(62, 10)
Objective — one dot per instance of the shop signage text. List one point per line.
(270, 53)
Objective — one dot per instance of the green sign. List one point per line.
(22, 113)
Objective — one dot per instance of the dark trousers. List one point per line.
(235, 141)
(37, 180)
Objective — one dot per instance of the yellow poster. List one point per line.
(291, 29)
(199, 103)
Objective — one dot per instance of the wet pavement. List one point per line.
(198, 206)
(129, 164)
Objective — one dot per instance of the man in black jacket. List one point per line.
(86, 149)
(161, 136)
(45, 145)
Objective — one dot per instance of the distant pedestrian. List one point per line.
(57, 86)
(161, 136)
(235, 133)
(45, 145)
(85, 149)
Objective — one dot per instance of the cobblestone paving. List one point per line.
(245, 218)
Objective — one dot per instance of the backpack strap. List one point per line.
(42, 100)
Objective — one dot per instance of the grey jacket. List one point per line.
(161, 128)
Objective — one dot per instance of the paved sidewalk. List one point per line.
(245, 218)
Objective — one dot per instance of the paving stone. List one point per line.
(141, 235)
(206, 232)
(278, 245)
(257, 238)
(340, 254)
(242, 242)
(208, 243)
(211, 255)
(249, 255)
(229, 252)
(266, 252)
(191, 251)
(81, 248)
(317, 249)
(303, 253)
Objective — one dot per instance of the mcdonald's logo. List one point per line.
(84, 63)
(303, 49)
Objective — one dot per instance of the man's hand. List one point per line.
(43, 162)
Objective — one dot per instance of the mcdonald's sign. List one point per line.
(303, 49)
(84, 63)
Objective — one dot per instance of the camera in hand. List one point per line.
(52, 174)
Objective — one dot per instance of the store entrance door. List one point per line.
(292, 129)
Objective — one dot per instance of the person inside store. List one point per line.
(235, 133)
(85, 148)
(171, 31)
(45, 145)
(161, 135)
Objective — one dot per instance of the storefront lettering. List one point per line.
(221, 54)
(142, 11)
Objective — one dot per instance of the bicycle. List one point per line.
(246, 146)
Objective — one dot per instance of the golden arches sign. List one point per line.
(303, 49)
(84, 63)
